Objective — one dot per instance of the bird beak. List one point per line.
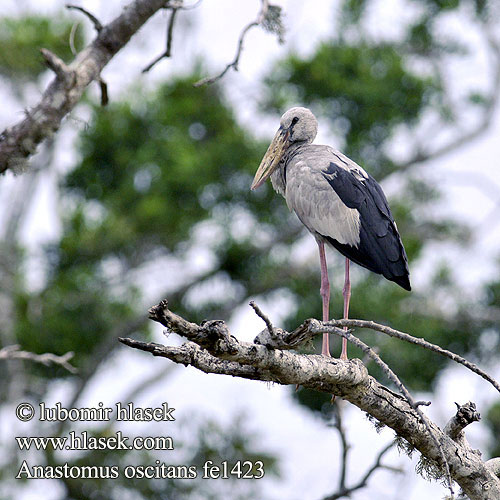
(272, 158)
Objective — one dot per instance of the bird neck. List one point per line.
(278, 177)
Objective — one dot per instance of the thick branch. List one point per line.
(307, 330)
(494, 466)
(20, 141)
(216, 351)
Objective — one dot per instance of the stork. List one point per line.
(337, 201)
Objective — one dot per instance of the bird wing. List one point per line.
(338, 201)
(320, 208)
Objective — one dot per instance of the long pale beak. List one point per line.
(272, 158)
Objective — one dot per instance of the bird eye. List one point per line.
(295, 120)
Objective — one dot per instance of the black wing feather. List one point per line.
(380, 248)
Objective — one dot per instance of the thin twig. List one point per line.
(234, 63)
(425, 154)
(345, 492)
(423, 403)
(345, 446)
(317, 328)
(188, 7)
(14, 352)
(168, 50)
(262, 316)
(358, 323)
(72, 38)
(103, 86)
(97, 24)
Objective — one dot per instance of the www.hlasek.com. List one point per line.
(86, 441)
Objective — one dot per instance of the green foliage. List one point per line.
(75, 311)
(157, 169)
(22, 38)
(150, 166)
(148, 175)
(353, 10)
(493, 421)
(209, 441)
(441, 5)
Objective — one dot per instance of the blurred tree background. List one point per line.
(157, 204)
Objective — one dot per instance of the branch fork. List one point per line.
(59, 67)
(211, 348)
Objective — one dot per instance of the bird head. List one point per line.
(297, 125)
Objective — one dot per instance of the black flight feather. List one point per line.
(380, 248)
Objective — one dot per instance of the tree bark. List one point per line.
(20, 141)
(212, 349)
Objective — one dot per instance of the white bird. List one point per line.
(338, 202)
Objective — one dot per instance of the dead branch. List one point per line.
(343, 490)
(212, 349)
(20, 141)
(168, 50)
(466, 414)
(417, 341)
(424, 153)
(304, 333)
(317, 328)
(262, 316)
(260, 20)
(14, 352)
(346, 491)
(97, 24)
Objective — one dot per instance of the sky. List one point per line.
(471, 180)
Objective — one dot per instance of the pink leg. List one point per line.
(325, 295)
(346, 292)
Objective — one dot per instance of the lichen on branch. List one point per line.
(211, 348)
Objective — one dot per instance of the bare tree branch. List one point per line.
(262, 316)
(424, 153)
(212, 349)
(304, 332)
(14, 352)
(344, 445)
(20, 141)
(346, 491)
(317, 327)
(494, 466)
(234, 63)
(417, 341)
(97, 24)
(168, 50)
(466, 414)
